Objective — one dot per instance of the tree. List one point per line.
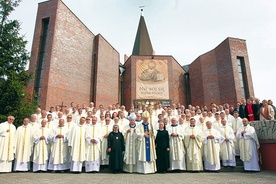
(13, 59)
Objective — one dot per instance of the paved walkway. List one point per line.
(265, 177)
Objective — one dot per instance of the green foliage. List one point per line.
(13, 59)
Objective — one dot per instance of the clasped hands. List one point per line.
(146, 134)
(210, 137)
(192, 136)
(93, 141)
(174, 134)
(129, 130)
(60, 136)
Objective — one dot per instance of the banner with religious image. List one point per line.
(152, 79)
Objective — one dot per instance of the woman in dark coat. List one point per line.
(162, 146)
(115, 149)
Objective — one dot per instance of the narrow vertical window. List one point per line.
(242, 77)
(41, 58)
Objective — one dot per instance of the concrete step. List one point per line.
(238, 168)
(232, 169)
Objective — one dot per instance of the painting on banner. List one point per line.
(152, 79)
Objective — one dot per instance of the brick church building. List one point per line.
(72, 64)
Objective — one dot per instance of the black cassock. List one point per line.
(116, 143)
(161, 144)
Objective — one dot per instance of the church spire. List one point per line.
(142, 44)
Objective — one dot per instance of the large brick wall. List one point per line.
(225, 73)
(129, 84)
(204, 80)
(68, 62)
(214, 75)
(81, 67)
(196, 83)
(106, 83)
(45, 10)
(177, 86)
(238, 48)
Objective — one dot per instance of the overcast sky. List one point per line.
(184, 29)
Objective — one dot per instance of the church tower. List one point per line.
(142, 44)
(150, 78)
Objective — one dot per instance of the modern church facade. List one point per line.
(72, 64)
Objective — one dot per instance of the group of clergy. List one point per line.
(148, 145)
(204, 145)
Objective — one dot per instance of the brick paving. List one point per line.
(107, 178)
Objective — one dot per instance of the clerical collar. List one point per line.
(145, 123)
(132, 126)
(174, 125)
(116, 132)
(192, 126)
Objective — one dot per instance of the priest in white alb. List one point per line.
(59, 156)
(236, 124)
(33, 122)
(93, 146)
(193, 144)
(41, 140)
(249, 146)
(7, 144)
(146, 147)
(177, 151)
(24, 144)
(122, 121)
(50, 123)
(227, 146)
(211, 147)
(77, 144)
(130, 135)
(69, 123)
(106, 129)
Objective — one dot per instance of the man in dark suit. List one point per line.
(242, 108)
(256, 109)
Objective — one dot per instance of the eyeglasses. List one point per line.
(69, 117)
(11, 119)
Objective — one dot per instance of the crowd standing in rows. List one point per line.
(144, 140)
